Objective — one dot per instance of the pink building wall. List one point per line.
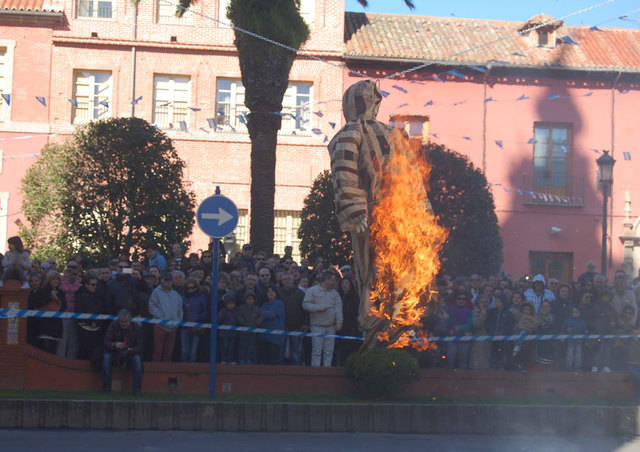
(457, 112)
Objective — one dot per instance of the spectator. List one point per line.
(177, 254)
(499, 323)
(479, 354)
(476, 287)
(603, 321)
(155, 258)
(546, 325)
(178, 281)
(526, 325)
(123, 347)
(460, 324)
(273, 317)
(250, 282)
(350, 307)
(165, 304)
(538, 293)
(249, 315)
(121, 291)
(265, 279)
(246, 259)
(515, 304)
(38, 299)
(194, 308)
(17, 259)
(90, 332)
(623, 295)
(296, 319)
(574, 325)
(325, 317)
(621, 347)
(69, 284)
(228, 339)
(589, 274)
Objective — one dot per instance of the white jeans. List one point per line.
(322, 347)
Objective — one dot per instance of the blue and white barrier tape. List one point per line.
(16, 313)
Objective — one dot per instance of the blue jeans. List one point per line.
(189, 343)
(134, 362)
(458, 355)
(294, 345)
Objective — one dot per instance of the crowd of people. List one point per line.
(274, 292)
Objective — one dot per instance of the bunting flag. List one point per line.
(332, 124)
(399, 88)
(326, 138)
(316, 131)
(499, 143)
(588, 94)
(532, 141)
(436, 77)
(455, 73)
(136, 100)
(221, 112)
(73, 102)
(627, 155)
(460, 102)
(518, 54)
(212, 123)
(523, 97)
(42, 100)
(318, 114)
(428, 103)
(596, 28)
(7, 98)
(183, 126)
(478, 68)
(467, 138)
(489, 99)
(554, 96)
(384, 93)
(104, 103)
(568, 40)
(402, 105)
(195, 108)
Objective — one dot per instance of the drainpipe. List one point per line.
(484, 121)
(133, 57)
(613, 145)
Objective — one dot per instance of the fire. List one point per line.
(407, 240)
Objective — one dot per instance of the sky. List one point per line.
(515, 10)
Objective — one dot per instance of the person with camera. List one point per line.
(123, 347)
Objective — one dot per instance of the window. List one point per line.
(232, 114)
(551, 162)
(285, 232)
(92, 94)
(166, 13)
(95, 8)
(307, 8)
(171, 99)
(5, 87)
(222, 13)
(552, 265)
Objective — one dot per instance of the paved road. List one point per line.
(66, 440)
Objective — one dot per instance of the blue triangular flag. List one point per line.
(455, 73)
(221, 112)
(435, 135)
(627, 155)
(403, 105)
(478, 68)
(332, 124)
(318, 114)
(595, 151)
(588, 94)
(436, 77)
(204, 130)
(467, 138)
(523, 97)
(554, 96)
(183, 126)
(499, 143)
(568, 40)
(384, 93)
(195, 108)
(625, 91)
(532, 141)
(73, 102)
(399, 88)
(489, 99)
(166, 104)
(460, 102)
(242, 118)
(104, 103)
(316, 131)
(7, 98)
(520, 192)
(518, 54)
(596, 28)
(428, 103)
(564, 148)
(326, 138)
(212, 123)
(42, 100)
(136, 100)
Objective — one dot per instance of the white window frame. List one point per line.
(6, 81)
(287, 221)
(176, 105)
(222, 14)
(307, 10)
(296, 109)
(166, 13)
(230, 111)
(93, 7)
(96, 92)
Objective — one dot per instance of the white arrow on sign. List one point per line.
(222, 216)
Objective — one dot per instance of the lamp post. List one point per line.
(605, 178)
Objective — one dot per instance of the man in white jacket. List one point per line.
(325, 316)
(166, 304)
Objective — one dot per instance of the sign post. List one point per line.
(217, 216)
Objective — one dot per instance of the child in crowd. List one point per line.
(248, 314)
(574, 325)
(228, 339)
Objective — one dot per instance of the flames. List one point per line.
(407, 240)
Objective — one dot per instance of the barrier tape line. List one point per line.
(19, 313)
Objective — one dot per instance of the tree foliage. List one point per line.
(119, 188)
(460, 198)
(319, 231)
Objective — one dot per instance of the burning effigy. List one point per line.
(380, 182)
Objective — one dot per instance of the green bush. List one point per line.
(382, 373)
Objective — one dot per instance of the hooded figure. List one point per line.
(539, 293)
(358, 153)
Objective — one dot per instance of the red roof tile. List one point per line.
(455, 41)
(32, 5)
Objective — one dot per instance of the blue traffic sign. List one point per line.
(217, 216)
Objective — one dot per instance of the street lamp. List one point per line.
(605, 178)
